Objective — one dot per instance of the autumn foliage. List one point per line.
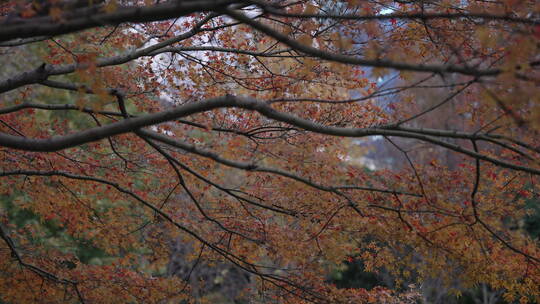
(243, 128)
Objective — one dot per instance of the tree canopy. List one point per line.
(280, 137)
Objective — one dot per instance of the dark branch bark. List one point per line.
(229, 101)
(279, 281)
(41, 74)
(379, 63)
(37, 270)
(410, 16)
(47, 26)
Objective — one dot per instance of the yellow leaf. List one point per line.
(310, 9)
(305, 39)
(372, 29)
(371, 52)
(406, 75)
(55, 13)
(310, 26)
(111, 6)
(483, 35)
(80, 103)
(98, 105)
(287, 30)
(345, 43)
(379, 72)
(310, 63)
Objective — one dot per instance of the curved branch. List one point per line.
(42, 273)
(256, 168)
(47, 26)
(230, 101)
(224, 50)
(54, 107)
(40, 74)
(19, 42)
(379, 63)
(231, 257)
(406, 16)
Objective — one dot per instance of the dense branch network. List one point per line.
(133, 124)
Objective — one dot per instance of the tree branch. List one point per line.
(230, 101)
(42, 273)
(48, 26)
(379, 63)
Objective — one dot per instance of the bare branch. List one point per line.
(379, 63)
(227, 101)
(47, 26)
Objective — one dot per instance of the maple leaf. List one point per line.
(56, 13)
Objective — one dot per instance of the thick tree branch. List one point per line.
(40, 74)
(47, 26)
(229, 101)
(508, 18)
(378, 63)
